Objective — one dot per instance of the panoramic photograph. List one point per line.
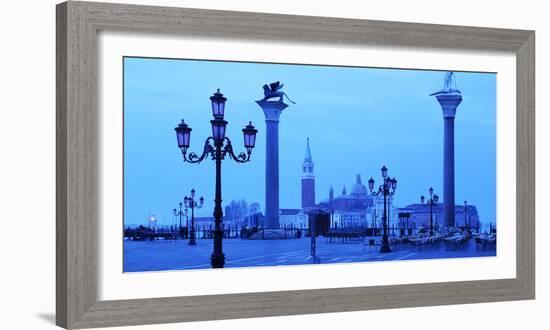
(248, 164)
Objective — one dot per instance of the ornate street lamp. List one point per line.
(183, 133)
(434, 199)
(192, 204)
(218, 104)
(180, 213)
(217, 146)
(386, 189)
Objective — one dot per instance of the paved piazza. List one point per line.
(176, 254)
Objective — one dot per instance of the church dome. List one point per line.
(358, 189)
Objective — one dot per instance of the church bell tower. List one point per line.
(308, 180)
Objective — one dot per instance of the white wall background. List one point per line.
(27, 166)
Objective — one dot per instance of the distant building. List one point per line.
(240, 214)
(249, 220)
(256, 219)
(293, 217)
(420, 215)
(299, 217)
(203, 222)
(235, 213)
(358, 208)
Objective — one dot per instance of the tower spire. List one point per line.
(307, 165)
(308, 179)
(307, 158)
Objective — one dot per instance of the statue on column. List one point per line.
(274, 90)
(449, 85)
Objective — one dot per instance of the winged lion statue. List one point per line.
(274, 90)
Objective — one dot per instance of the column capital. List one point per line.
(272, 109)
(449, 103)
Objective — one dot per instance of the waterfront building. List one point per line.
(358, 208)
(240, 214)
(293, 217)
(420, 215)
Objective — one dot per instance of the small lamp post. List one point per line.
(466, 216)
(192, 204)
(387, 188)
(180, 214)
(374, 217)
(217, 146)
(434, 199)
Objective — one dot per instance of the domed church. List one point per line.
(358, 208)
(357, 200)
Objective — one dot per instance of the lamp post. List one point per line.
(466, 215)
(387, 188)
(191, 203)
(217, 146)
(180, 214)
(375, 224)
(434, 199)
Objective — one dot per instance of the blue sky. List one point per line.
(357, 119)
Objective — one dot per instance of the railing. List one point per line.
(346, 235)
(333, 234)
(204, 232)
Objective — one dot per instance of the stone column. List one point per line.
(272, 111)
(449, 103)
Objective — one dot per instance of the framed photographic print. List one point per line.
(216, 165)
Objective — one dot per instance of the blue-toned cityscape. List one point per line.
(223, 169)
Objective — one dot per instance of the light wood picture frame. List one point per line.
(77, 151)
